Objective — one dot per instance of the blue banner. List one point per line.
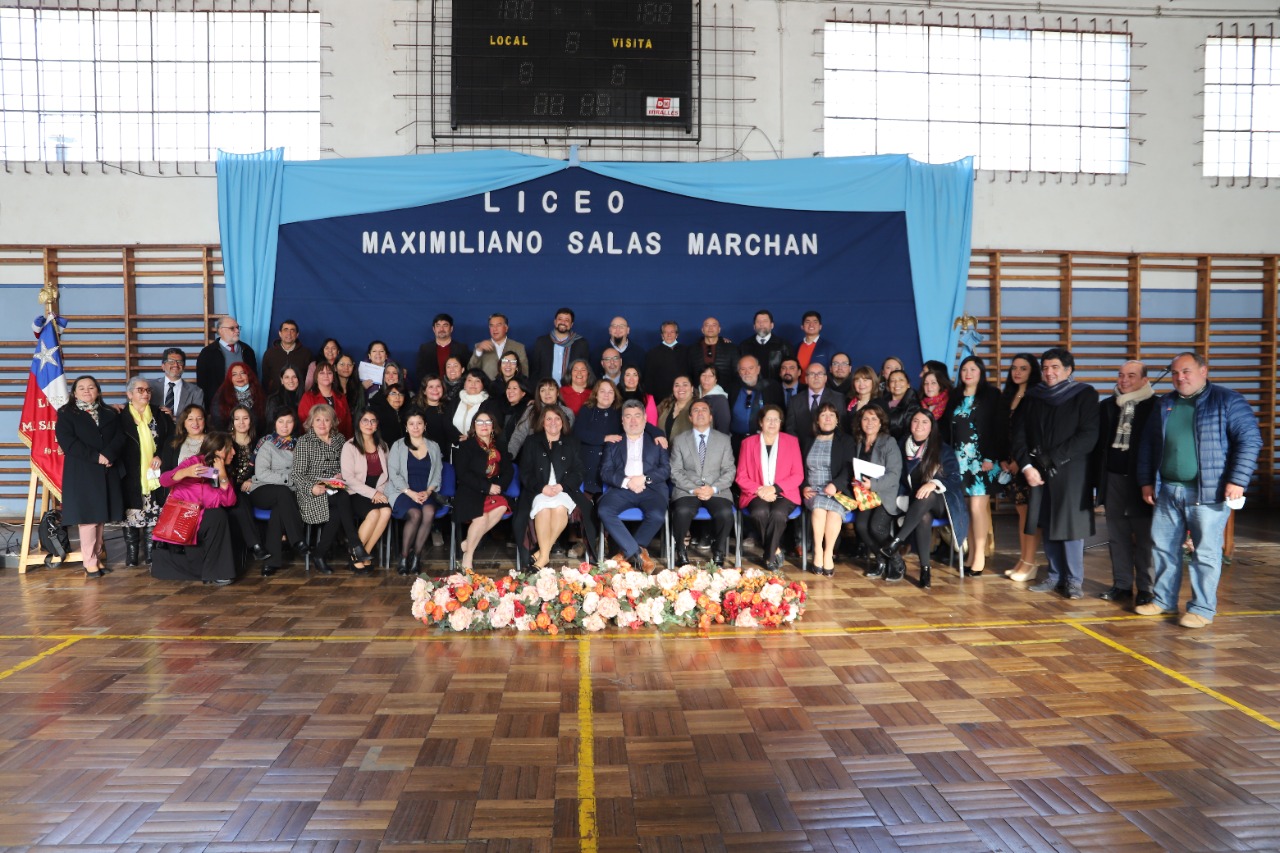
(602, 247)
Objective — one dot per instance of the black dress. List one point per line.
(91, 492)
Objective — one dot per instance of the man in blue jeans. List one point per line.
(1199, 452)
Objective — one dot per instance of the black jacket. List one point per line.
(211, 368)
(662, 365)
(1104, 456)
(843, 448)
(537, 458)
(1064, 436)
(91, 492)
(800, 417)
(770, 355)
(724, 355)
(542, 356)
(428, 366)
(470, 463)
(990, 417)
(131, 475)
(900, 415)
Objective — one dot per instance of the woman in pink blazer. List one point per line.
(201, 479)
(364, 471)
(770, 471)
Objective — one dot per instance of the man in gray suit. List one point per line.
(702, 470)
(170, 392)
(490, 351)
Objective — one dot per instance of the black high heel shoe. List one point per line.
(321, 566)
(359, 554)
(926, 577)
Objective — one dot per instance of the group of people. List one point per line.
(763, 427)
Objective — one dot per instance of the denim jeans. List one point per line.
(1066, 562)
(1175, 515)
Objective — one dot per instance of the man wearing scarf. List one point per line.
(1197, 456)
(1122, 419)
(552, 353)
(1052, 444)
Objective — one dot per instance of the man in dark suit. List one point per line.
(712, 349)
(286, 351)
(812, 348)
(636, 471)
(769, 349)
(702, 470)
(215, 359)
(664, 363)
(789, 380)
(170, 392)
(804, 404)
(553, 352)
(752, 394)
(434, 353)
(620, 339)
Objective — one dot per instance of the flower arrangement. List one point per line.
(591, 599)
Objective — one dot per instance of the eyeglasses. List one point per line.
(612, 358)
(395, 394)
(370, 421)
(484, 423)
(174, 361)
(841, 364)
(232, 328)
(141, 389)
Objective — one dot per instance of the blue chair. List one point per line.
(798, 512)
(703, 515)
(636, 514)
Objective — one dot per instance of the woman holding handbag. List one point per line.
(877, 496)
(193, 536)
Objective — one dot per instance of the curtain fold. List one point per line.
(250, 188)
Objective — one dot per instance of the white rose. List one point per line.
(460, 619)
(745, 620)
(701, 580)
(441, 597)
(524, 623)
(499, 618)
(548, 587)
(772, 593)
(609, 607)
(530, 595)
(685, 602)
(730, 579)
(419, 609)
(418, 592)
(594, 622)
(590, 602)
(667, 579)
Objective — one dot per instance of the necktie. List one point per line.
(702, 452)
(813, 402)
(168, 396)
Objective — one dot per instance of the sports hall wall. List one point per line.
(1161, 254)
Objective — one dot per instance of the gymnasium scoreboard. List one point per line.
(569, 63)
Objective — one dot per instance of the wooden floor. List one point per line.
(313, 714)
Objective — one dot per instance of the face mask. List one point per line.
(239, 387)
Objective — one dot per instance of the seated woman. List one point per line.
(147, 429)
(828, 471)
(202, 480)
(548, 395)
(931, 489)
(484, 472)
(633, 389)
(391, 409)
(316, 480)
(364, 471)
(239, 388)
(574, 393)
(188, 436)
(875, 526)
(472, 400)
(287, 397)
(240, 469)
(434, 407)
(770, 471)
(508, 369)
(935, 391)
(709, 389)
(550, 481)
(414, 466)
(901, 403)
(273, 463)
(673, 412)
(599, 422)
(324, 390)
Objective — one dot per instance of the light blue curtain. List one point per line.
(250, 187)
(937, 200)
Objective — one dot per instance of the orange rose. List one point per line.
(568, 614)
(464, 592)
(482, 604)
(542, 621)
(566, 596)
(437, 613)
(553, 630)
(452, 605)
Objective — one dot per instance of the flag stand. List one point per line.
(36, 556)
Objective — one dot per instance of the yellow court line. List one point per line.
(1177, 676)
(586, 751)
(37, 658)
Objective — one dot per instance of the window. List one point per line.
(157, 86)
(1242, 107)
(1019, 100)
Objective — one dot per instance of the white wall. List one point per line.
(1162, 205)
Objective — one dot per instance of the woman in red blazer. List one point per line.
(324, 389)
(770, 471)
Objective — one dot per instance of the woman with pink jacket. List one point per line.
(770, 471)
(364, 471)
(201, 479)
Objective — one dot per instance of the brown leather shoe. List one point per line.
(647, 563)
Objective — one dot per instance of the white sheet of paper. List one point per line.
(370, 372)
(863, 468)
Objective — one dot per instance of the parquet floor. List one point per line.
(313, 714)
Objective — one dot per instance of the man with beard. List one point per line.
(434, 353)
(747, 400)
(664, 362)
(620, 339)
(769, 349)
(712, 349)
(789, 375)
(554, 352)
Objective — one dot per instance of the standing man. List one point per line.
(1123, 418)
(769, 349)
(664, 363)
(170, 392)
(636, 471)
(1199, 453)
(611, 366)
(554, 352)
(790, 374)
(216, 359)
(284, 352)
(812, 348)
(488, 352)
(803, 405)
(620, 339)
(711, 349)
(1052, 442)
(702, 470)
(753, 393)
(434, 353)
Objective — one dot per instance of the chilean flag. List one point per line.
(46, 393)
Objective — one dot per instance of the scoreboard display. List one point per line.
(572, 63)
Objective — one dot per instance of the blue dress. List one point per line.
(419, 473)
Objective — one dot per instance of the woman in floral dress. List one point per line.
(978, 420)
